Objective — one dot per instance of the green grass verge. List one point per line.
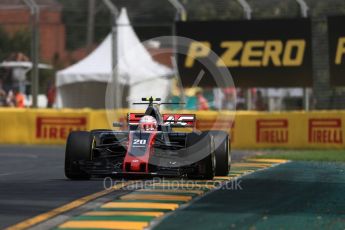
(305, 155)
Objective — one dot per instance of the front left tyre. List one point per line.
(222, 152)
(78, 148)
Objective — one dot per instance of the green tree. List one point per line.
(18, 42)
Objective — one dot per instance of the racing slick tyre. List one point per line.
(78, 147)
(204, 145)
(222, 152)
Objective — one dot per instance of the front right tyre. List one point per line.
(78, 148)
(203, 144)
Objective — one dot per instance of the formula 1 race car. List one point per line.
(149, 147)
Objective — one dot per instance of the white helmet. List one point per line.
(148, 123)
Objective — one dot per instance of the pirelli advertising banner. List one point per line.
(255, 130)
(336, 37)
(317, 130)
(249, 130)
(258, 53)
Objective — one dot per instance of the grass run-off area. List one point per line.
(304, 155)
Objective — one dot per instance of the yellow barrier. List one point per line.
(249, 130)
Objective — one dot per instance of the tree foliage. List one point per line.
(18, 42)
(153, 15)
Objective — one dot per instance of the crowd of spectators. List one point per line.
(14, 85)
(11, 94)
(221, 99)
(11, 98)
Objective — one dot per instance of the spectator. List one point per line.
(11, 99)
(260, 104)
(208, 94)
(51, 93)
(19, 99)
(17, 56)
(229, 102)
(218, 98)
(202, 102)
(191, 103)
(2, 96)
(240, 100)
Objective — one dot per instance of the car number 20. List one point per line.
(139, 142)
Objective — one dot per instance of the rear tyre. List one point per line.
(204, 146)
(78, 147)
(222, 152)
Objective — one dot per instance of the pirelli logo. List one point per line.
(325, 131)
(58, 127)
(272, 131)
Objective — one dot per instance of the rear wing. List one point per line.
(173, 120)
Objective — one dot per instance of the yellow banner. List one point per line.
(248, 130)
(27, 126)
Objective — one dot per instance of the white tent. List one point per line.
(84, 83)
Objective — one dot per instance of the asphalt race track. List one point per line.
(32, 182)
(293, 195)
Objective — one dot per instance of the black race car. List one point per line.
(158, 152)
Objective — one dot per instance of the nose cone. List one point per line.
(135, 165)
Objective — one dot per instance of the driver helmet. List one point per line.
(148, 123)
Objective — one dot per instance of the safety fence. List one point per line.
(248, 130)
